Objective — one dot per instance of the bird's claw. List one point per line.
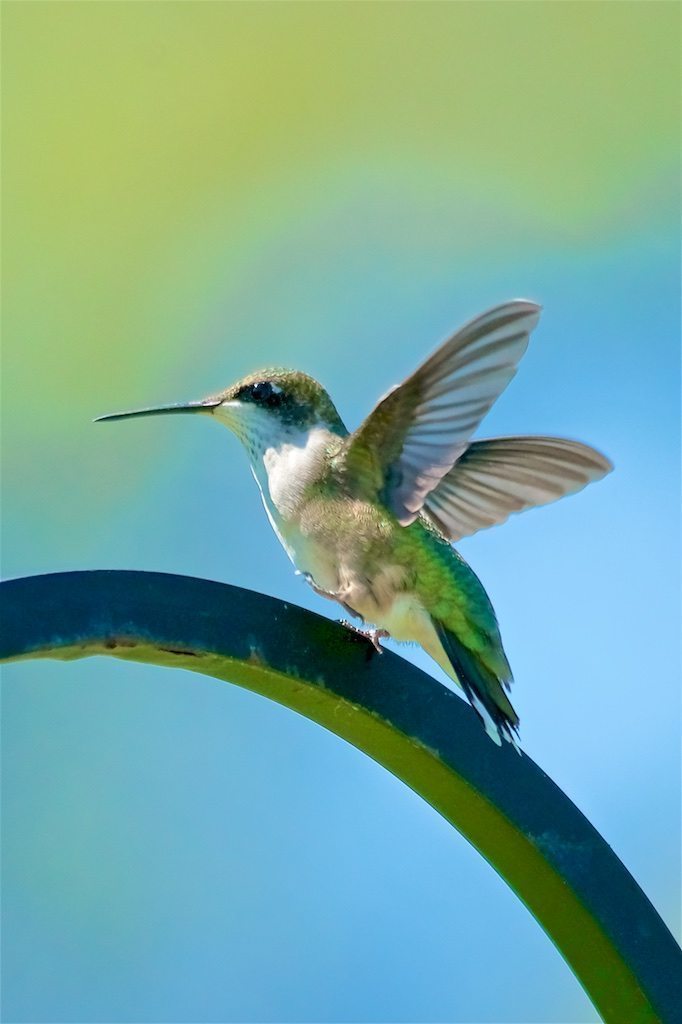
(373, 635)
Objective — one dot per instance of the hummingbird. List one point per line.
(369, 517)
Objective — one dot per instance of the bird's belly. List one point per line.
(379, 598)
(310, 555)
(402, 614)
(379, 594)
(406, 620)
(316, 561)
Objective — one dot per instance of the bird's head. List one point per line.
(264, 410)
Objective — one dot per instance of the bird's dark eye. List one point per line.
(262, 391)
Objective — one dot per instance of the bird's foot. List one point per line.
(373, 635)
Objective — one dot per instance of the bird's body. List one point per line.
(404, 580)
(367, 517)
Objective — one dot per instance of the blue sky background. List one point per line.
(175, 849)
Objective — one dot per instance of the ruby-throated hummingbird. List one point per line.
(368, 517)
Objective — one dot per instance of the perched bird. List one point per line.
(367, 517)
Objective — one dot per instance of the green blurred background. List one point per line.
(191, 190)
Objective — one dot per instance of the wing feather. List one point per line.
(414, 436)
(497, 477)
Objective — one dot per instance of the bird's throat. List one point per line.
(286, 471)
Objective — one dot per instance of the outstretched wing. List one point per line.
(416, 433)
(496, 477)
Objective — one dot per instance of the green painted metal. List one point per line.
(505, 805)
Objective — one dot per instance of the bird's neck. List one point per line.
(286, 468)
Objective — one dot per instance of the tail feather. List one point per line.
(483, 688)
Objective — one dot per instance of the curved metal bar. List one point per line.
(515, 816)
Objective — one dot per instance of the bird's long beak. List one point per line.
(206, 405)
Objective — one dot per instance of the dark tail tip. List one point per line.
(483, 689)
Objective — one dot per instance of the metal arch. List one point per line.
(505, 805)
